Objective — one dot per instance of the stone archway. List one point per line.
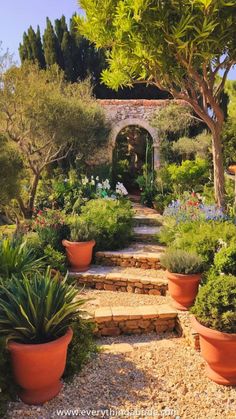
(142, 123)
(123, 113)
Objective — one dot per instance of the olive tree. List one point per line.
(180, 46)
(45, 118)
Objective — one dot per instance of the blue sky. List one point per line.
(17, 15)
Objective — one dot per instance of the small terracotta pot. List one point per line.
(183, 289)
(79, 254)
(38, 368)
(232, 169)
(219, 351)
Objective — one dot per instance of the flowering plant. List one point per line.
(72, 192)
(190, 207)
(51, 227)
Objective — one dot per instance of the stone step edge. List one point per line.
(140, 221)
(114, 321)
(119, 313)
(116, 254)
(130, 283)
(121, 277)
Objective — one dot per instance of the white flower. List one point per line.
(106, 184)
(97, 178)
(120, 189)
(99, 186)
(85, 181)
(92, 182)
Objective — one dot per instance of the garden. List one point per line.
(118, 279)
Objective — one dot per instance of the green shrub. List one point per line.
(55, 259)
(34, 243)
(81, 348)
(17, 258)
(191, 174)
(205, 238)
(225, 260)
(80, 230)
(182, 262)
(51, 228)
(111, 221)
(37, 310)
(215, 305)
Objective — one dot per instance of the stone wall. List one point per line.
(126, 284)
(124, 113)
(113, 321)
(126, 260)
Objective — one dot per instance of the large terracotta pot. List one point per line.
(38, 368)
(183, 289)
(219, 351)
(79, 254)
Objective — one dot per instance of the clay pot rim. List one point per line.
(68, 243)
(184, 276)
(211, 333)
(18, 346)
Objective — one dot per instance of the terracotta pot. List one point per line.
(219, 351)
(232, 169)
(38, 368)
(79, 254)
(183, 289)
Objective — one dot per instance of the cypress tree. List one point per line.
(25, 49)
(40, 52)
(52, 50)
(60, 28)
(67, 47)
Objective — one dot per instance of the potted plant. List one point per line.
(184, 271)
(79, 248)
(215, 320)
(35, 316)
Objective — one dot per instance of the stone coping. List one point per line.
(138, 250)
(122, 274)
(106, 314)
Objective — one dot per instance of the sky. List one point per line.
(17, 15)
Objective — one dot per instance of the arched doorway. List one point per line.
(132, 156)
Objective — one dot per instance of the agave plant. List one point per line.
(39, 309)
(17, 258)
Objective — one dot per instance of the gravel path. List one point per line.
(153, 375)
(112, 298)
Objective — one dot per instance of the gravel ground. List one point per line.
(153, 376)
(112, 298)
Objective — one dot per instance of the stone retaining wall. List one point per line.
(113, 321)
(127, 261)
(184, 328)
(125, 285)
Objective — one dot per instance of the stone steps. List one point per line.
(150, 220)
(114, 321)
(139, 255)
(117, 278)
(146, 234)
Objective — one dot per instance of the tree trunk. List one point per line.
(219, 182)
(33, 191)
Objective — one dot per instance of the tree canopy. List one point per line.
(44, 118)
(178, 46)
(79, 58)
